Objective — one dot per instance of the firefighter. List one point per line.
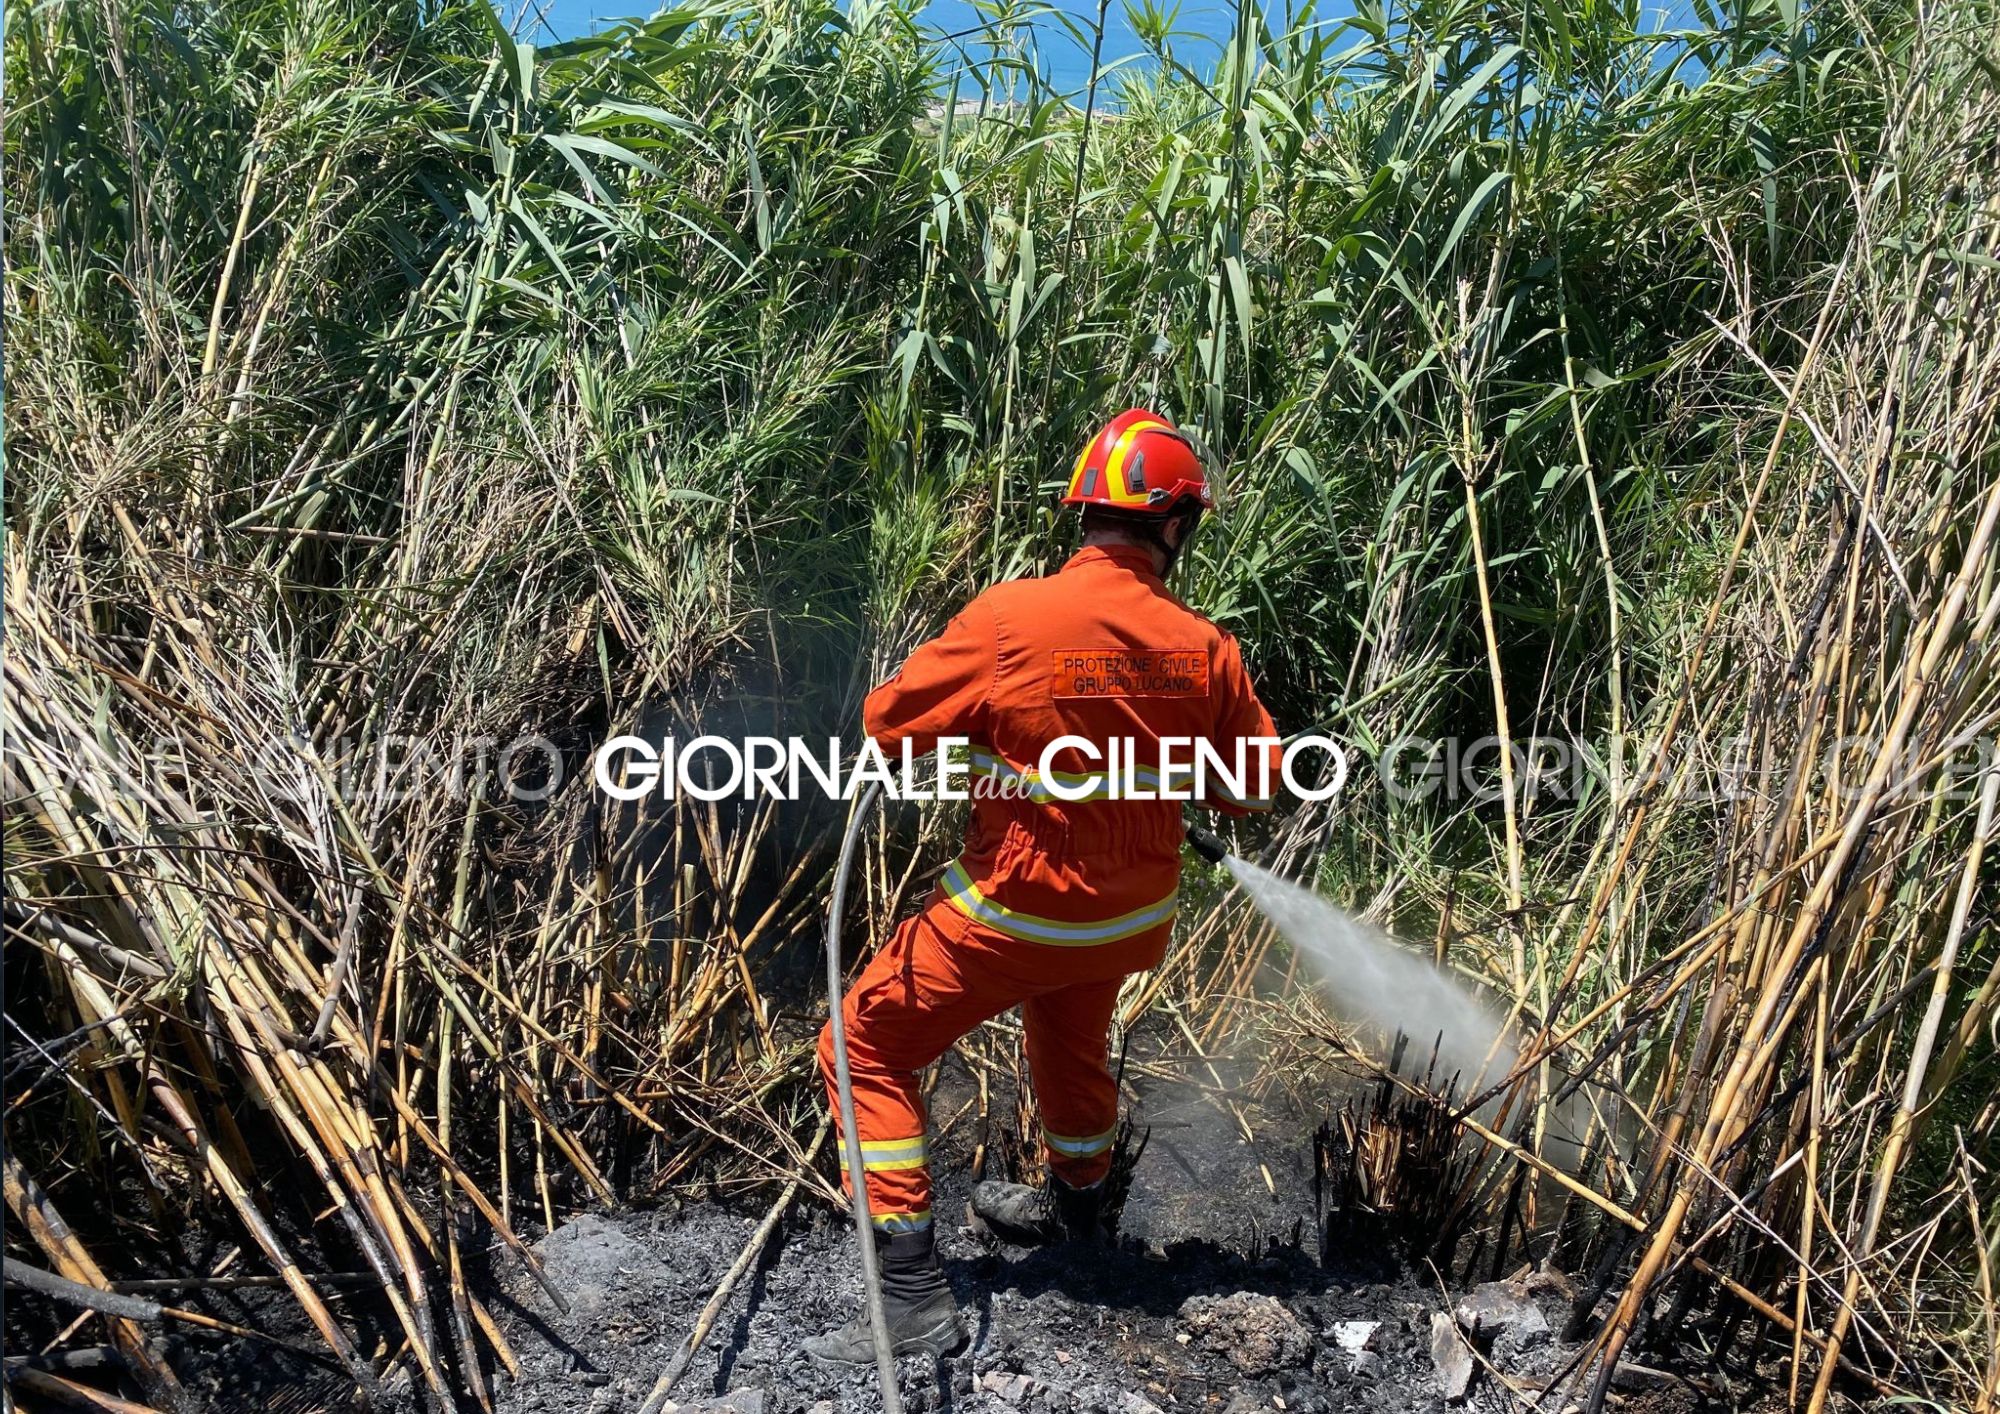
(1053, 903)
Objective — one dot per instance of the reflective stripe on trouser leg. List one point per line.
(894, 1161)
(901, 1222)
(897, 1166)
(891, 1165)
(889, 1155)
(1078, 1147)
(1079, 1160)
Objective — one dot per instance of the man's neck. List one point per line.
(1154, 554)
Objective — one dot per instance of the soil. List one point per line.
(1216, 1299)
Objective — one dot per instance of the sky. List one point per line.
(1199, 26)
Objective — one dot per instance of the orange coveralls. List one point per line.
(1052, 903)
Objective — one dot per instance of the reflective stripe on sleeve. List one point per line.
(967, 899)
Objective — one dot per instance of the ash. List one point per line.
(1217, 1298)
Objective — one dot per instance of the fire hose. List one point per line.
(850, 1140)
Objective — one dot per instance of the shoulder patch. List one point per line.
(1128, 672)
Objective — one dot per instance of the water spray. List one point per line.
(1369, 972)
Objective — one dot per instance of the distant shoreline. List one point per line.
(1010, 107)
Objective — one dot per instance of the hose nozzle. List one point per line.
(1207, 844)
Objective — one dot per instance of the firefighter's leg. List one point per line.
(915, 998)
(1068, 1040)
(1067, 1037)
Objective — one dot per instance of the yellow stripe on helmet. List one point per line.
(1114, 465)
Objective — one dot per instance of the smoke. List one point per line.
(1372, 978)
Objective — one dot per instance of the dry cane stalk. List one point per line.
(46, 1226)
(1724, 1108)
(1913, 1088)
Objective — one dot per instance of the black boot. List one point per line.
(922, 1317)
(1032, 1217)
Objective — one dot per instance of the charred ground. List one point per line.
(1224, 1294)
(1219, 1296)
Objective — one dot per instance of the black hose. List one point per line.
(857, 1177)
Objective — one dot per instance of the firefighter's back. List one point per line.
(1105, 653)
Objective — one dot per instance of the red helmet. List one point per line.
(1139, 462)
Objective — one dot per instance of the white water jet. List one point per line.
(1373, 978)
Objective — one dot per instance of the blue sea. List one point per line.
(1061, 31)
